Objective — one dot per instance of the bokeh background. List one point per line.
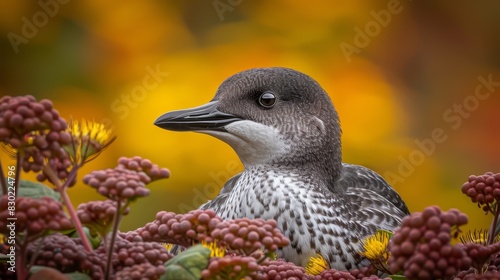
(396, 71)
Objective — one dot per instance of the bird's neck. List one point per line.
(317, 170)
(323, 163)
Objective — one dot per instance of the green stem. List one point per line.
(116, 225)
(491, 234)
(60, 187)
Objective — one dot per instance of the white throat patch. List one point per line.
(255, 143)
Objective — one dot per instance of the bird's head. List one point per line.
(268, 116)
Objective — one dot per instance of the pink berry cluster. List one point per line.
(61, 166)
(98, 215)
(333, 274)
(231, 267)
(241, 236)
(34, 126)
(141, 271)
(246, 236)
(34, 216)
(126, 181)
(20, 116)
(472, 274)
(281, 270)
(66, 255)
(483, 189)
(127, 254)
(421, 246)
(482, 255)
(180, 229)
(365, 273)
(138, 164)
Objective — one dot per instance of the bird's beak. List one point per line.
(204, 117)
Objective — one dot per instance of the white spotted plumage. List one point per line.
(304, 211)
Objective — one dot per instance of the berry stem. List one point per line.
(3, 181)
(116, 225)
(21, 265)
(61, 188)
(76, 221)
(36, 252)
(491, 234)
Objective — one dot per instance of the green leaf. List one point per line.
(77, 276)
(36, 190)
(187, 265)
(45, 272)
(390, 233)
(95, 239)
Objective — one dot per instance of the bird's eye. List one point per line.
(267, 99)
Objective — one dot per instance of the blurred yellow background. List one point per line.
(415, 83)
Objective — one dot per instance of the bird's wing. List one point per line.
(356, 178)
(222, 196)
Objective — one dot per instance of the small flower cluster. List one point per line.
(366, 273)
(472, 274)
(22, 115)
(333, 274)
(421, 246)
(126, 181)
(231, 267)
(246, 236)
(376, 251)
(36, 128)
(281, 270)
(246, 242)
(483, 190)
(127, 254)
(89, 139)
(242, 236)
(141, 272)
(34, 216)
(138, 164)
(480, 254)
(66, 255)
(181, 229)
(98, 215)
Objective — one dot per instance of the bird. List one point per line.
(286, 131)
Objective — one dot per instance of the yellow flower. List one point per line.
(167, 246)
(478, 237)
(89, 139)
(316, 265)
(375, 249)
(215, 249)
(272, 256)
